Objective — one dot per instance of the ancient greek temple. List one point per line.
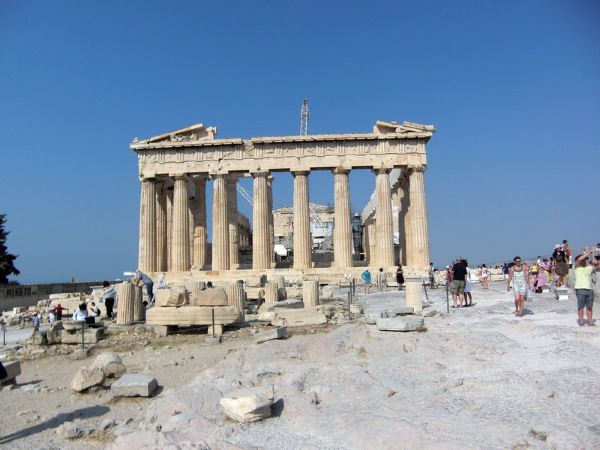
(174, 169)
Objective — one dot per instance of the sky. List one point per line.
(512, 87)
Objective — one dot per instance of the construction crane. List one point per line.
(304, 118)
(245, 194)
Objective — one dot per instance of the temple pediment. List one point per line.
(196, 132)
(382, 127)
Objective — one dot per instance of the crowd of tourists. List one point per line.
(525, 279)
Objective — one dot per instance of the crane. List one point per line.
(304, 118)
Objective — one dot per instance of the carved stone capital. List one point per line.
(381, 170)
(260, 174)
(341, 170)
(301, 172)
(417, 168)
(179, 176)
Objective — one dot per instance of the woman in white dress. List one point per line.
(468, 285)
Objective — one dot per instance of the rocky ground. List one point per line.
(478, 377)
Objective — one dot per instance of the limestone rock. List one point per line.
(13, 369)
(171, 296)
(91, 336)
(248, 405)
(111, 365)
(210, 297)
(268, 335)
(134, 385)
(372, 317)
(327, 292)
(70, 430)
(400, 323)
(85, 378)
(299, 317)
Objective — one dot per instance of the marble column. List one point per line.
(342, 232)
(383, 219)
(234, 248)
(220, 225)
(191, 218)
(403, 218)
(416, 221)
(372, 243)
(147, 254)
(261, 252)
(170, 192)
(271, 225)
(126, 308)
(301, 231)
(161, 227)
(200, 240)
(180, 245)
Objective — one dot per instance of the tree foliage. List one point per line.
(7, 265)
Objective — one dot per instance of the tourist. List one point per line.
(561, 265)
(484, 278)
(36, 322)
(518, 277)
(505, 270)
(458, 275)
(51, 317)
(109, 295)
(468, 285)
(366, 278)
(533, 272)
(542, 277)
(381, 279)
(431, 273)
(583, 286)
(209, 284)
(147, 282)
(80, 313)
(58, 310)
(95, 310)
(399, 277)
(567, 249)
(597, 252)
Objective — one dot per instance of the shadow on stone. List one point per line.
(56, 421)
(277, 408)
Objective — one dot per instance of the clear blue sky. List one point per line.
(513, 88)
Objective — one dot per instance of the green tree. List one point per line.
(7, 266)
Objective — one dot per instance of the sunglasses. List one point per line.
(517, 261)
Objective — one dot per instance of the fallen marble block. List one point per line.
(269, 335)
(372, 317)
(400, 323)
(248, 405)
(299, 317)
(13, 369)
(134, 385)
(171, 296)
(111, 364)
(292, 303)
(210, 297)
(85, 378)
(91, 336)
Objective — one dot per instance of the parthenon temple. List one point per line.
(175, 167)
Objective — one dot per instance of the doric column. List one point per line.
(403, 229)
(301, 230)
(261, 252)
(220, 225)
(342, 232)
(383, 219)
(418, 233)
(200, 241)
(147, 255)
(271, 225)
(180, 246)
(372, 243)
(170, 191)
(161, 227)
(234, 249)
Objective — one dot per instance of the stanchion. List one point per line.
(447, 301)
(3, 334)
(83, 334)
(213, 322)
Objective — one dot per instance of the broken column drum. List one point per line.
(236, 297)
(126, 307)
(310, 293)
(271, 292)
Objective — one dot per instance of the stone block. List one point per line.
(73, 326)
(248, 405)
(91, 336)
(13, 370)
(400, 323)
(399, 311)
(271, 334)
(111, 364)
(299, 317)
(372, 317)
(210, 297)
(561, 293)
(79, 353)
(85, 378)
(327, 292)
(171, 296)
(212, 340)
(134, 385)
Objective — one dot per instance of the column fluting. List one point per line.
(161, 227)
(234, 250)
(170, 194)
(147, 244)
(270, 217)
(261, 251)
(301, 231)
(383, 219)
(342, 232)
(418, 257)
(220, 225)
(200, 239)
(180, 246)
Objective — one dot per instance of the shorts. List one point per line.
(585, 298)
(457, 287)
